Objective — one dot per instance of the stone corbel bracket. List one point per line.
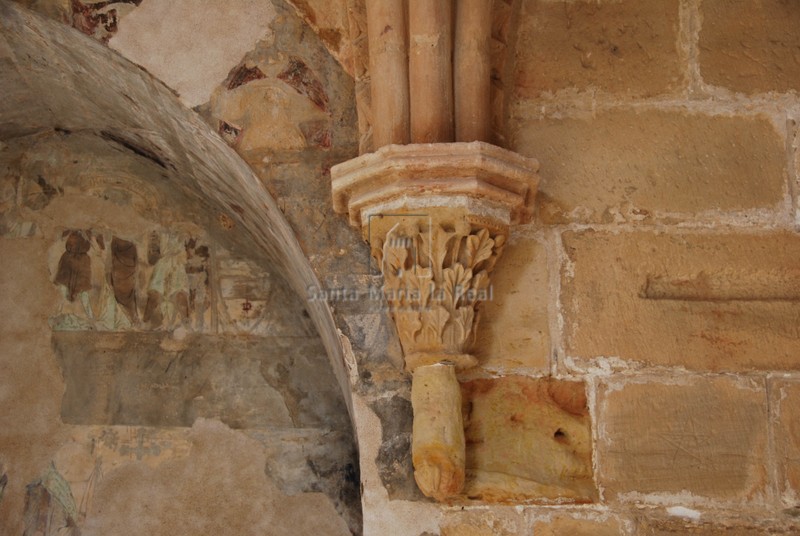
(437, 218)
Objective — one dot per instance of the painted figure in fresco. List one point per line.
(74, 279)
(168, 290)
(108, 286)
(123, 276)
(197, 257)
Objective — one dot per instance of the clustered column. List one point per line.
(430, 70)
(430, 83)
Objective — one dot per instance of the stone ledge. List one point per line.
(411, 174)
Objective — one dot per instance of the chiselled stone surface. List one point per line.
(758, 525)
(513, 332)
(436, 275)
(436, 217)
(585, 525)
(785, 408)
(702, 301)
(625, 165)
(437, 441)
(750, 47)
(495, 522)
(527, 439)
(394, 456)
(625, 47)
(702, 435)
(499, 183)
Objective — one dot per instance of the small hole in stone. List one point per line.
(561, 436)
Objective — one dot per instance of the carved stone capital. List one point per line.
(436, 273)
(437, 218)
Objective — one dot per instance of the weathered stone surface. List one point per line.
(702, 435)
(50, 506)
(625, 165)
(750, 46)
(527, 439)
(757, 526)
(513, 333)
(176, 497)
(564, 525)
(495, 522)
(281, 106)
(394, 456)
(155, 380)
(30, 383)
(331, 22)
(794, 123)
(298, 461)
(625, 47)
(437, 441)
(785, 408)
(702, 301)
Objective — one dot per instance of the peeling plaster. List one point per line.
(190, 45)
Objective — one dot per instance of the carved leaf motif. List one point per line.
(420, 283)
(433, 323)
(435, 245)
(408, 325)
(376, 250)
(499, 245)
(394, 259)
(455, 284)
(479, 248)
(459, 328)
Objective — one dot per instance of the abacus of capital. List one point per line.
(436, 212)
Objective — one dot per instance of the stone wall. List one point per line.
(639, 369)
(667, 134)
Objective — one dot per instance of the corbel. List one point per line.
(437, 218)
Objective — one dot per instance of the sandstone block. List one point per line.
(513, 332)
(785, 401)
(564, 525)
(704, 436)
(701, 301)
(717, 527)
(622, 47)
(498, 521)
(527, 439)
(750, 47)
(623, 165)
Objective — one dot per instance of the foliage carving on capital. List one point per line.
(435, 277)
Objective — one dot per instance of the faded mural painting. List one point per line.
(159, 281)
(108, 283)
